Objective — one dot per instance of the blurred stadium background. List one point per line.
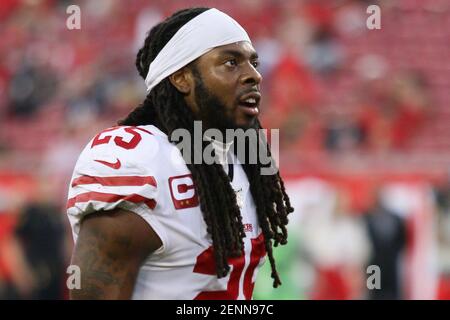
(364, 118)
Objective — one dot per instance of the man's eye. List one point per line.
(231, 62)
(255, 64)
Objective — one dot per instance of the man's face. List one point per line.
(226, 93)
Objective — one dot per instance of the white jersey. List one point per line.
(139, 170)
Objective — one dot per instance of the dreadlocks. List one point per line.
(166, 108)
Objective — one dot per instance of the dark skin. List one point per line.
(228, 72)
(112, 246)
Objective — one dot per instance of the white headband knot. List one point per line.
(206, 31)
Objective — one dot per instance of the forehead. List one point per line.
(242, 48)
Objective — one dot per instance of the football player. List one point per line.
(147, 223)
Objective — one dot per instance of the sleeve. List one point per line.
(108, 175)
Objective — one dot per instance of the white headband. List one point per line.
(206, 31)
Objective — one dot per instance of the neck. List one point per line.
(221, 148)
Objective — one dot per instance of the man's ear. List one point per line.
(182, 80)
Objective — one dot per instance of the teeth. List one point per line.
(251, 100)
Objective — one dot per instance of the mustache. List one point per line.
(243, 93)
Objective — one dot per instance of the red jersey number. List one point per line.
(206, 265)
(118, 140)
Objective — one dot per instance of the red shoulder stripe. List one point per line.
(115, 181)
(110, 198)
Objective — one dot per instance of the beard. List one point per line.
(212, 112)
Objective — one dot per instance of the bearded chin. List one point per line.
(213, 112)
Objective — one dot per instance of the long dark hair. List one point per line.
(165, 108)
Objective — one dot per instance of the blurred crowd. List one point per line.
(349, 101)
(393, 245)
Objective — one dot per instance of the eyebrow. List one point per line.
(239, 54)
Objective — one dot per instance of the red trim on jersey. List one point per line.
(142, 129)
(110, 198)
(115, 181)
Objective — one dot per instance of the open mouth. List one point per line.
(250, 103)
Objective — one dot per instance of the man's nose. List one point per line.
(250, 75)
